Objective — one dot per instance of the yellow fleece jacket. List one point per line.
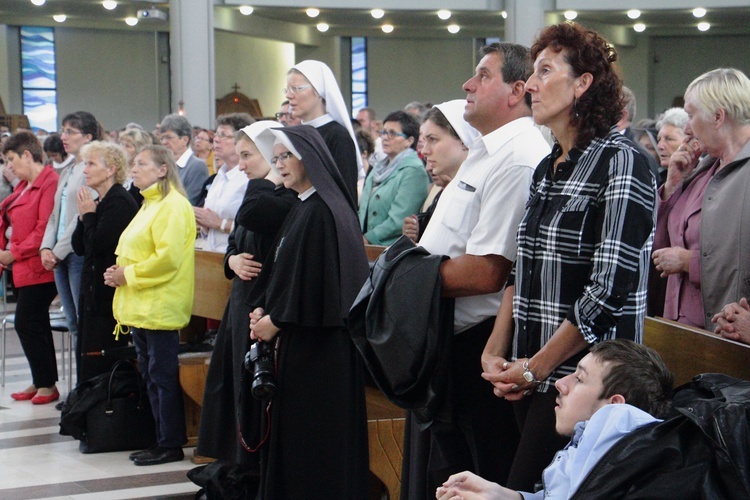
(157, 252)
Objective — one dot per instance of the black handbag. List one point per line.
(123, 421)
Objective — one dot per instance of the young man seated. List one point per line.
(617, 388)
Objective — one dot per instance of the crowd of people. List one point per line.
(564, 222)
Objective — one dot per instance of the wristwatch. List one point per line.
(528, 375)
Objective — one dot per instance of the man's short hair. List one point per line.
(516, 62)
(177, 124)
(237, 121)
(637, 373)
(370, 113)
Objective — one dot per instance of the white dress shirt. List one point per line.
(479, 211)
(224, 197)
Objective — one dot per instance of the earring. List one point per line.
(575, 106)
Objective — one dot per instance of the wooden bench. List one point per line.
(688, 351)
(385, 421)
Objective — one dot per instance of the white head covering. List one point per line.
(268, 137)
(321, 78)
(454, 113)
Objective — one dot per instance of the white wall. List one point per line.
(258, 66)
(115, 75)
(427, 70)
(675, 62)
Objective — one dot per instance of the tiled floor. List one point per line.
(37, 462)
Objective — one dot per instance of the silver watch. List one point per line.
(528, 375)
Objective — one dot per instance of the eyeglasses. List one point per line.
(283, 157)
(168, 137)
(70, 131)
(223, 136)
(279, 116)
(295, 90)
(392, 134)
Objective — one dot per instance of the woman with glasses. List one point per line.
(315, 98)
(57, 254)
(397, 185)
(317, 444)
(203, 147)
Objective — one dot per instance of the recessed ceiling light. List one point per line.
(634, 13)
(131, 21)
(109, 4)
(454, 28)
(60, 18)
(704, 26)
(699, 12)
(377, 13)
(387, 28)
(570, 14)
(444, 14)
(323, 27)
(38, 2)
(312, 12)
(639, 27)
(504, 14)
(246, 10)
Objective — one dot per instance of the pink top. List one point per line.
(683, 301)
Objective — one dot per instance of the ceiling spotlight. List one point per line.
(454, 28)
(699, 12)
(444, 14)
(634, 13)
(131, 21)
(60, 18)
(639, 27)
(109, 4)
(246, 10)
(703, 26)
(377, 13)
(312, 12)
(38, 2)
(570, 14)
(387, 28)
(504, 14)
(323, 27)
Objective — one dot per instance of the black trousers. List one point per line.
(479, 433)
(32, 326)
(535, 415)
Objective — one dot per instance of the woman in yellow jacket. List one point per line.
(154, 276)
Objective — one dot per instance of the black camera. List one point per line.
(259, 360)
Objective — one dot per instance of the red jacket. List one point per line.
(27, 213)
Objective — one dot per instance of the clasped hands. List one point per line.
(114, 276)
(261, 326)
(733, 321)
(506, 377)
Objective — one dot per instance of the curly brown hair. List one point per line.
(600, 107)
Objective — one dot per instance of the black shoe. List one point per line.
(59, 406)
(140, 453)
(160, 455)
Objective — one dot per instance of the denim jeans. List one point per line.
(68, 281)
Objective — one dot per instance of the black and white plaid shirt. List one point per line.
(583, 248)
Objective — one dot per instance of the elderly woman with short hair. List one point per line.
(671, 132)
(132, 141)
(702, 238)
(95, 238)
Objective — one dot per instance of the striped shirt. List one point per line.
(583, 248)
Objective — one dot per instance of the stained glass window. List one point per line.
(39, 81)
(359, 74)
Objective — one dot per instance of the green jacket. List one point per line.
(400, 195)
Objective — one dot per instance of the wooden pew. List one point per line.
(688, 351)
(385, 421)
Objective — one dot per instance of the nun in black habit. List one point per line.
(317, 446)
(231, 420)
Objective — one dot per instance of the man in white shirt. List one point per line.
(620, 386)
(216, 217)
(475, 224)
(176, 134)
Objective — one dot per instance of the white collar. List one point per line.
(307, 193)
